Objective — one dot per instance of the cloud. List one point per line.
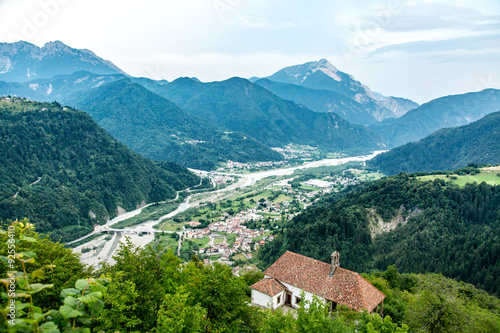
(462, 43)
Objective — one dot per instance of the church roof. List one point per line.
(269, 286)
(345, 287)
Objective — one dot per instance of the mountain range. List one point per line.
(158, 129)
(323, 75)
(446, 149)
(239, 105)
(448, 111)
(313, 104)
(23, 61)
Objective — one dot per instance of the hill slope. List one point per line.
(449, 111)
(159, 129)
(417, 226)
(23, 61)
(65, 173)
(239, 105)
(321, 100)
(446, 149)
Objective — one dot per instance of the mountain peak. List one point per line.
(326, 67)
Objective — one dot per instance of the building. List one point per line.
(293, 274)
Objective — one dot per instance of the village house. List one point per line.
(294, 276)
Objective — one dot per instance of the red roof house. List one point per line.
(293, 274)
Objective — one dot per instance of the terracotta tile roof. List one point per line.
(345, 287)
(269, 286)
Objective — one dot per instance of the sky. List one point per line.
(417, 49)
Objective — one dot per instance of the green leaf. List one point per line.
(56, 317)
(37, 287)
(28, 239)
(70, 301)
(39, 273)
(81, 284)
(98, 287)
(70, 292)
(89, 298)
(69, 312)
(49, 327)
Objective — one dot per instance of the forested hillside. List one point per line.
(237, 104)
(441, 228)
(65, 173)
(150, 291)
(443, 112)
(158, 129)
(446, 149)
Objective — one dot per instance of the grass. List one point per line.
(201, 242)
(487, 175)
(283, 197)
(168, 243)
(149, 213)
(309, 188)
(170, 225)
(218, 240)
(231, 238)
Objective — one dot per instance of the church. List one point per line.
(294, 276)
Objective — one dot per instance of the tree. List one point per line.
(119, 306)
(176, 315)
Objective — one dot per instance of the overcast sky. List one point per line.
(418, 49)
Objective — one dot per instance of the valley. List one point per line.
(100, 248)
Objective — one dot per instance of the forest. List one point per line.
(65, 173)
(443, 229)
(152, 291)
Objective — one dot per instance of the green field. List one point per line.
(149, 213)
(487, 175)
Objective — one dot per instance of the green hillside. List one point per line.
(158, 129)
(446, 149)
(443, 112)
(239, 105)
(65, 173)
(436, 227)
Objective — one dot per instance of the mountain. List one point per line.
(239, 105)
(60, 88)
(449, 111)
(158, 129)
(65, 173)
(324, 76)
(23, 61)
(446, 149)
(419, 226)
(400, 106)
(321, 100)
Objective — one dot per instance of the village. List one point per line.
(231, 232)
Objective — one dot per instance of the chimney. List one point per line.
(335, 262)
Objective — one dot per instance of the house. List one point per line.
(293, 274)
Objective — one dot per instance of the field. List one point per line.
(487, 175)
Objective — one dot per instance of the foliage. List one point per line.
(149, 292)
(119, 305)
(19, 311)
